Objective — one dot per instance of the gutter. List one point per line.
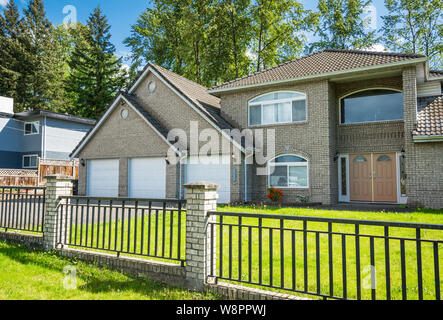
(423, 139)
(324, 75)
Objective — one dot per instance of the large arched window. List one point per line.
(277, 107)
(372, 106)
(289, 171)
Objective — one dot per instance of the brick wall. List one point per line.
(124, 139)
(30, 241)
(313, 139)
(424, 164)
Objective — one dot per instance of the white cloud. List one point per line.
(125, 67)
(376, 47)
(3, 3)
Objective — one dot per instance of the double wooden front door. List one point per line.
(373, 177)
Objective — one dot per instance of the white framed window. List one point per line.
(30, 161)
(32, 128)
(371, 105)
(278, 107)
(288, 171)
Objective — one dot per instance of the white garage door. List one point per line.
(147, 178)
(102, 178)
(214, 169)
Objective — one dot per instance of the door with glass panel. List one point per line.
(360, 176)
(373, 177)
(385, 178)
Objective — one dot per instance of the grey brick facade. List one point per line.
(319, 139)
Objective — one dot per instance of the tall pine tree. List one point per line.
(95, 74)
(11, 51)
(38, 59)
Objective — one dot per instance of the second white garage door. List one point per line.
(212, 169)
(147, 178)
(102, 178)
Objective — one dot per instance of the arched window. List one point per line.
(277, 107)
(372, 106)
(289, 171)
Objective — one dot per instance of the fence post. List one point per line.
(201, 197)
(56, 186)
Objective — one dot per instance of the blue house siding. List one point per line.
(61, 137)
(10, 160)
(56, 138)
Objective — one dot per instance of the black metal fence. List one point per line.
(22, 208)
(328, 258)
(152, 228)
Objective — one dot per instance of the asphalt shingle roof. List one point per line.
(430, 117)
(322, 62)
(157, 125)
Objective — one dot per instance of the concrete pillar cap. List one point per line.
(202, 185)
(59, 177)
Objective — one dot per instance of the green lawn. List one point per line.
(161, 240)
(36, 275)
(420, 216)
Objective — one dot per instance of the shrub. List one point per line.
(275, 195)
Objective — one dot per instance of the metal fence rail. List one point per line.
(22, 208)
(328, 258)
(152, 228)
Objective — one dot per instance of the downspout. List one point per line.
(181, 174)
(246, 174)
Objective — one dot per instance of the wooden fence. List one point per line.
(35, 178)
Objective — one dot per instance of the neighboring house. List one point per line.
(350, 126)
(24, 137)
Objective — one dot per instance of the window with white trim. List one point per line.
(32, 128)
(30, 161)
(372, 106)
(289, 171)
(277, 107)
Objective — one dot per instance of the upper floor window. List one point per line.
(30, 161)
(277, 107)
(289, 171)
(32, 128)
(372, 106)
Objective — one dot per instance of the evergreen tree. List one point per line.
(95, 74)
(415, 26)
(341, 25)
(10, 51)
(39, 57)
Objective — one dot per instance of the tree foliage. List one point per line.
(95, 74)
(341, 25)
(415, 26)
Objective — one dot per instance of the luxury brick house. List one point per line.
(350, 126)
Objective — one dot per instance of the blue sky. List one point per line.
(122, 14)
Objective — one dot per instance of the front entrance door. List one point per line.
(385, 178)
(373, 177)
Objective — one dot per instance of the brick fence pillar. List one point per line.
(56, 186)
(201, 198)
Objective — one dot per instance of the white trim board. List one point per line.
(106, 115)
(185, 99)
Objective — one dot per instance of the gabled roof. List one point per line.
(430, 117)
(194, 94)
(318, 64)
(435, 73)
(132, 102)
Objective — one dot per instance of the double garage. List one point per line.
(146, 177)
